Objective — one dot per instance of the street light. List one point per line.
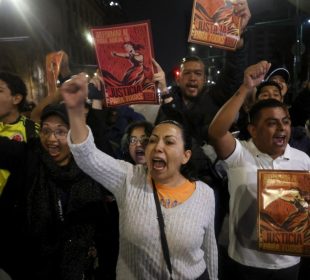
(16, 3)
(89, 38)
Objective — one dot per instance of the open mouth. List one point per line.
(192, 88)
(158, 164)
(53, 150)
(139, 152)
(279, 140)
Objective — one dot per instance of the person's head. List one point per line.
(192, 78)
(281, 76)
(268, 90)
(270, 126)
(136, 138)
(53, 133)
(13, 93)
(168, 152)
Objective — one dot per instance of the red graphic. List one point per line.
(124, 54)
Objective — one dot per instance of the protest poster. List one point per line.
(52, 64)
(214, 23)
(283, 211)
(124, 54)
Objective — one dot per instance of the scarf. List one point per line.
(61, 205)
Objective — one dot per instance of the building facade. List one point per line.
(33, 28)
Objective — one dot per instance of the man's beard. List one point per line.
(193, 99)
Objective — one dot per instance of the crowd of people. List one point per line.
(89, 193)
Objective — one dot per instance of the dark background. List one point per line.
(273, 31)
(29, 29)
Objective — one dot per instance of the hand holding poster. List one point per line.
(214, 23)
(124, 53)
(283, 212)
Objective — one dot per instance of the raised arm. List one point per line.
(49, 99)
(242, 10)
(74, 93)
(117, 54)
(221, 139)
(159, 78)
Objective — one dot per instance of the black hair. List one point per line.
(29, 106)
(16, 86)
(254, 113)
(187, 170)
(265, 84)
(185, 134)
(148, 128)
(57, 109)
(192, 58)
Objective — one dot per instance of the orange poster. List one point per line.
(124, 54)
(215, 24)
(53, 61)
(283, 211)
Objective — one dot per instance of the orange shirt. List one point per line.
(172, 196)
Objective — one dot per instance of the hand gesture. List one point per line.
(242, 10)
(159, 77)
(255, 74)
(74, 91)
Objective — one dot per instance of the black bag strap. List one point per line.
(163, 239)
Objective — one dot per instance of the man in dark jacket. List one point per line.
(194, 104)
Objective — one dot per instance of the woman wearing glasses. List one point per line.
(61, 210)
(166, 218)
(134, 141)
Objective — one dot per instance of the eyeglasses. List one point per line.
(59, 133)
(133, 140)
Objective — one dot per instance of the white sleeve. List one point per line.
(106, 170)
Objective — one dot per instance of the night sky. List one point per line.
(170, 24)
(170, 21)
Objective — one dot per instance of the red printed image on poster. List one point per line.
(52, 64)
(284, 211)
(124, 53)
(214, 23)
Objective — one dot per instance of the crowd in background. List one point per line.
(90, 192)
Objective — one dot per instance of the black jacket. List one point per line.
(200, 113)
(49, 217)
